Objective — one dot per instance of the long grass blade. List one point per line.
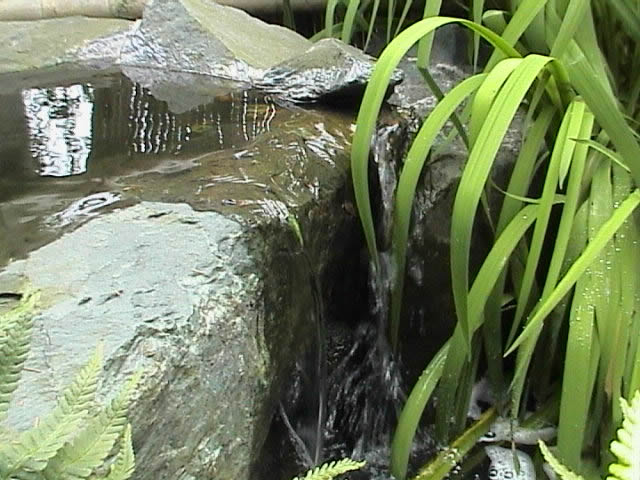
(431, 9)
(477, 8)
(412, 412)
(330, 14)
(372, 23)
(578, 378)
(605, 108)
(489, 273)
(573, 18)
(349, 20)
(476, 173)
(562, 153)
(487, 276)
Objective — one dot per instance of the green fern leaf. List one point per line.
(559, 468)
(32, 450)
(88, 450)
(331, 470)
(124, 464)
(15, 337)
(627, 447)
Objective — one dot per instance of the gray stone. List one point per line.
(46, 43)
(330, 70)
(204, 37)
(168, 290)
(197, 37)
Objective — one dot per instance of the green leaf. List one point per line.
(88, 449)
(587, 257)
(559, 468)
(33, 449)
(412, 412)
(421, 392)
(476, 173)
(408, 181)
(627, 446)
(124, 464)
(372, 102)
(331, 470)
(15, 338)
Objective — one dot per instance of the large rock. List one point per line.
(204, 37)
(195, 275)
(330, 70)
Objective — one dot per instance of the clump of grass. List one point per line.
(576, 308)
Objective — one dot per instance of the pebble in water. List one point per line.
(503, 467)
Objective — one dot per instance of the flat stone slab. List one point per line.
(204, 37)
(47, 43)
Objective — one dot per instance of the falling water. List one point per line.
(365, 390)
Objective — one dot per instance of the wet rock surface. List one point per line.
(329, 71)
(47, 43)
(179, 248)
(204, 37)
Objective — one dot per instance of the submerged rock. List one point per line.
(503, 464)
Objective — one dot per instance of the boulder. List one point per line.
(329, 71)
(204, 37)
(428, 311)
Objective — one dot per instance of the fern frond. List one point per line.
(559, 468)
(15, 338)
(627, 447)
(33, 449)
(88, 450)
(331, 470)
(124, 464)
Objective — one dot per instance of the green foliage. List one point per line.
(625, 448)
(567, 254)
(15, 335)
(74, 440)
(331, 470)
(556, 465)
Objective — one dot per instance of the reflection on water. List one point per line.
(62, 121)
(59, 123)
(85, 207)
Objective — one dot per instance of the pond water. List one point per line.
(72, 149)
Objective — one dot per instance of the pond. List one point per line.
(71, 149)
